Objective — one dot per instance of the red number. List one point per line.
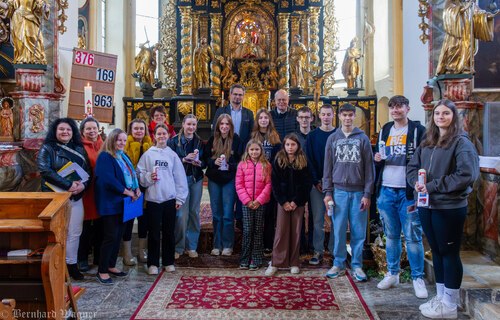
(91, 59)
(78, 57)
(82, 57)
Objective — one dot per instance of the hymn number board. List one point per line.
(98, 70)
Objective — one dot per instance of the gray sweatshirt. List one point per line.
(348, 163)
(450, 172)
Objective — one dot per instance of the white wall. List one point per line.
(415, 60)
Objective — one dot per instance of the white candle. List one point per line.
(89, 105)
(222, 100)
(269, 101)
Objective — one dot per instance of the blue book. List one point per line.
(132, 209)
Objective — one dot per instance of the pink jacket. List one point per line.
(250, 185)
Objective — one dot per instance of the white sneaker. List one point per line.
(270, 271)
(170, 268)
(192, 253)
(177, 255)
(440, 311)
(430, 303)
(227, 251)
(389, 281)
(215, 252)
(335, 272)
(153, 270)
(359, 275)
(294, 270)
(420, 289)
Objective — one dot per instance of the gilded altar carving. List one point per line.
(186, 70)
(299, 2)
(168, 43)
(282, 59)
(6, 118)
(249, 74)
(185, 107)
(36, 114)
(330, 44)
(314, 39)
(215, 68)
(201, 3)
(201, 112)
(350, 66)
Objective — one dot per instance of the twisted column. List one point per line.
(314, 38)
(186, 63)
(215, 68)
(284, 70)
(330, 44)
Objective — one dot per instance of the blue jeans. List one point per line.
(347, 205)
(318, 216)
(187, 224)
(400, 214)
(222, 198)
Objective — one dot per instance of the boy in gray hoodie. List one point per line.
(348, 179)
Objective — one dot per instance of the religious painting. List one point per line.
(487, 59)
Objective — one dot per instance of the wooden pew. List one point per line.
(36, 221)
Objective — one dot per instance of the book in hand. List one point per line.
(71, 171)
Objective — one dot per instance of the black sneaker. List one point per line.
(243, 266)
(74, 273)
(254, 267)
(268, 252)
(106, 282)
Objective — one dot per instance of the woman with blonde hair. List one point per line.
(222, 155)
(138, 142)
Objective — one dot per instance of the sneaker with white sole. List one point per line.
(389, 281)
(192, 253)
(153, 270)
(294, 270)
(430, 303)
(215, 252)
(440, 311)
(170, 268)
(335, 272)
(227, 251)
(316, 259)
(420, 289)
(270, 271)
(359, 275)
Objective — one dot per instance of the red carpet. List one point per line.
(240, 294)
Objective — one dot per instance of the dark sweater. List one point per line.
(213, 173)
(291, 185)
(186, 147)
(285, 123)
(315, 152)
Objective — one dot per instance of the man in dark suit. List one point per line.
(242, 117)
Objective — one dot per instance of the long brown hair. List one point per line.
(433, 138)
(223, 146)
(271, 134)
(282, 160)
(262, 158)
(109, 144)
(138, 120)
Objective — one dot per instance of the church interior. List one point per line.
(117, 60)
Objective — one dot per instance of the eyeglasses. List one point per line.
(304, 118)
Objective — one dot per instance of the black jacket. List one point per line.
(52, 157)
(247, 120)
(291, 185)
(416, 133)
(285, 123)
(213, 173)
(184, 148)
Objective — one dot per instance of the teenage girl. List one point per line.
(253, 186)
(161, 172)
(291, 181)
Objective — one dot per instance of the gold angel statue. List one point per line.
(25, 29)
(457, 50)
(350, 66)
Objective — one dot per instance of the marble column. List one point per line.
(186, 49)
(284, 69)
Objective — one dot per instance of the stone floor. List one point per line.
(121, 300)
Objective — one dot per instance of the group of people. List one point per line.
(262, 172)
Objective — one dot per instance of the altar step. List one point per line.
(480, 291)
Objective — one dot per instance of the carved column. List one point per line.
(314, 40)
(283, 19)
(330, 45)
(304, 27)
(215, 68)
(204, 26)
(168, 42)
(186, 61)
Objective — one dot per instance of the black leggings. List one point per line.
(142, 228)
(443, 229)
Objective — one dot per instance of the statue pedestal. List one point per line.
(203, 92)
(295, 91)
(30, 77)
(353, 92)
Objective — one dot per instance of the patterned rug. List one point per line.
(239, 294)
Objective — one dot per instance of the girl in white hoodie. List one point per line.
(161, 172)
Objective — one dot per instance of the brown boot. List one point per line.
(128, 258)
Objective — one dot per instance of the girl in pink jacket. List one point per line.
(253, 186)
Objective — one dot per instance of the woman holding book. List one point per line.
(63, 145)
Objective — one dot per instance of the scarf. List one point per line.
(128, 170)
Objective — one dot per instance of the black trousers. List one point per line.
(112, 232)
(90, 240)
(161, 222)
(443, 229)
(270, 223)
(142, 226)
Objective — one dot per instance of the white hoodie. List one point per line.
(172, 183)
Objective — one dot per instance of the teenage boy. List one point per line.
(315, 151)
(348, 182)
(395, 202)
